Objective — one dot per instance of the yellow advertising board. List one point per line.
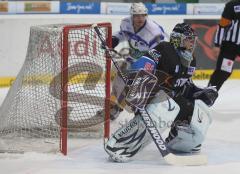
(205, 74)
(81, 78)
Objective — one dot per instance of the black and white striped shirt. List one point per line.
(229, 33)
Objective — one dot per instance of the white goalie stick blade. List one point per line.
(189, 160)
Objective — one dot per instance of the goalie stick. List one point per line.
(169, 157)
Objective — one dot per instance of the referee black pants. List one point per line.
(227, 55)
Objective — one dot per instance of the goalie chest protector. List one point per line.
(170, 63)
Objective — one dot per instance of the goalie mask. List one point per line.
(184, 39)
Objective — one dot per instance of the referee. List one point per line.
(227, 43)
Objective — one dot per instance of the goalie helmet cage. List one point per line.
(63, 82)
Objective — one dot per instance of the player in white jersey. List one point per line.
(142, 34)
(139, 31)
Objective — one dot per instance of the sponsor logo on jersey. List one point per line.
(177, 68)
(191, 70)
(180, 82)
(137, 43)
(155, 55)
(237, 8)
(148, 67)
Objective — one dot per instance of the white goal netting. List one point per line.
(61, 86)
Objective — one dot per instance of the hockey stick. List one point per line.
(109, 51)
(169, 157)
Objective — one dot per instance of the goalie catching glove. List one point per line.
(208, 95)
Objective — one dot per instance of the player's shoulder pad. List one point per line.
(125, 24)
(154, 27)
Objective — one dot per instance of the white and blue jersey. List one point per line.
(141, 41)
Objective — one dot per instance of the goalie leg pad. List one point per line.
(163, 110)
(133, 137)
(128, 140)
(184, 137)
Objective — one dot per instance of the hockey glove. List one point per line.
(207, 95)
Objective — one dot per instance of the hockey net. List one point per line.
(63, 82)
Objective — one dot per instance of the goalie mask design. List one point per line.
(184, 39)
(138, 8)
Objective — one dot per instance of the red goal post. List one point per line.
(65, 54)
